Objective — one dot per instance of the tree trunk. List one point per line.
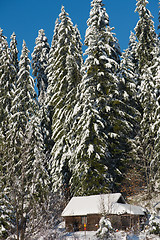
(17, 227)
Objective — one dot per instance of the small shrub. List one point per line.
(155, 225)
(105, 230)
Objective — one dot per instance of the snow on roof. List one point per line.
(97, 204)
(79, 206)
(120, 208)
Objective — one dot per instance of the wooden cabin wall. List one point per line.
(120, 222)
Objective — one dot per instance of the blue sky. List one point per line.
(26, 17)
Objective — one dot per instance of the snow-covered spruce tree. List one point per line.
(51, 59)
(47, 111)
(3, 92)
(147, 56)
(153, 138)
(129, 62)
(14, 52)
(35, 177)
(67, 60)
(145, 140)
(128, 88)
(100, 128)
(7, 217)
(39, 64)
(146, 36)
(18, 167)
(155, 161)
(6, 210)
(128, 76)
(8, 76)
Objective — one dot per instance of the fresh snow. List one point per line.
(113, 135)
(90, 150)
(59, 233)
(119, 208)
(93, 205)
(89, 204)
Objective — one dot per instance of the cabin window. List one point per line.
(84, 220)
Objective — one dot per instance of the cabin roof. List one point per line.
(98, 204)
(119, 208)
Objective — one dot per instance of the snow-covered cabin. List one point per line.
(84, 213)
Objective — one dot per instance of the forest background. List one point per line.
(94, 127)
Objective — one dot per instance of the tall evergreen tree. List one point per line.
(39, 64)
(3, 92)
(14, 52)
(8, 76)
(155, 163)
(145, 139)
(35, 175)
(128, 77)
(6, 209)
(129, 89)
(67, 59)
(16, 165)
(6, 216)
(147, 57)
(47, 111)
(129, 61)
(98, 136)
(146, 36)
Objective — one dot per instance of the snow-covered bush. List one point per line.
(154, 223)
(105, 230)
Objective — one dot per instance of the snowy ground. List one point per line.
(80, 235)
(60, 234)
(118, 236)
